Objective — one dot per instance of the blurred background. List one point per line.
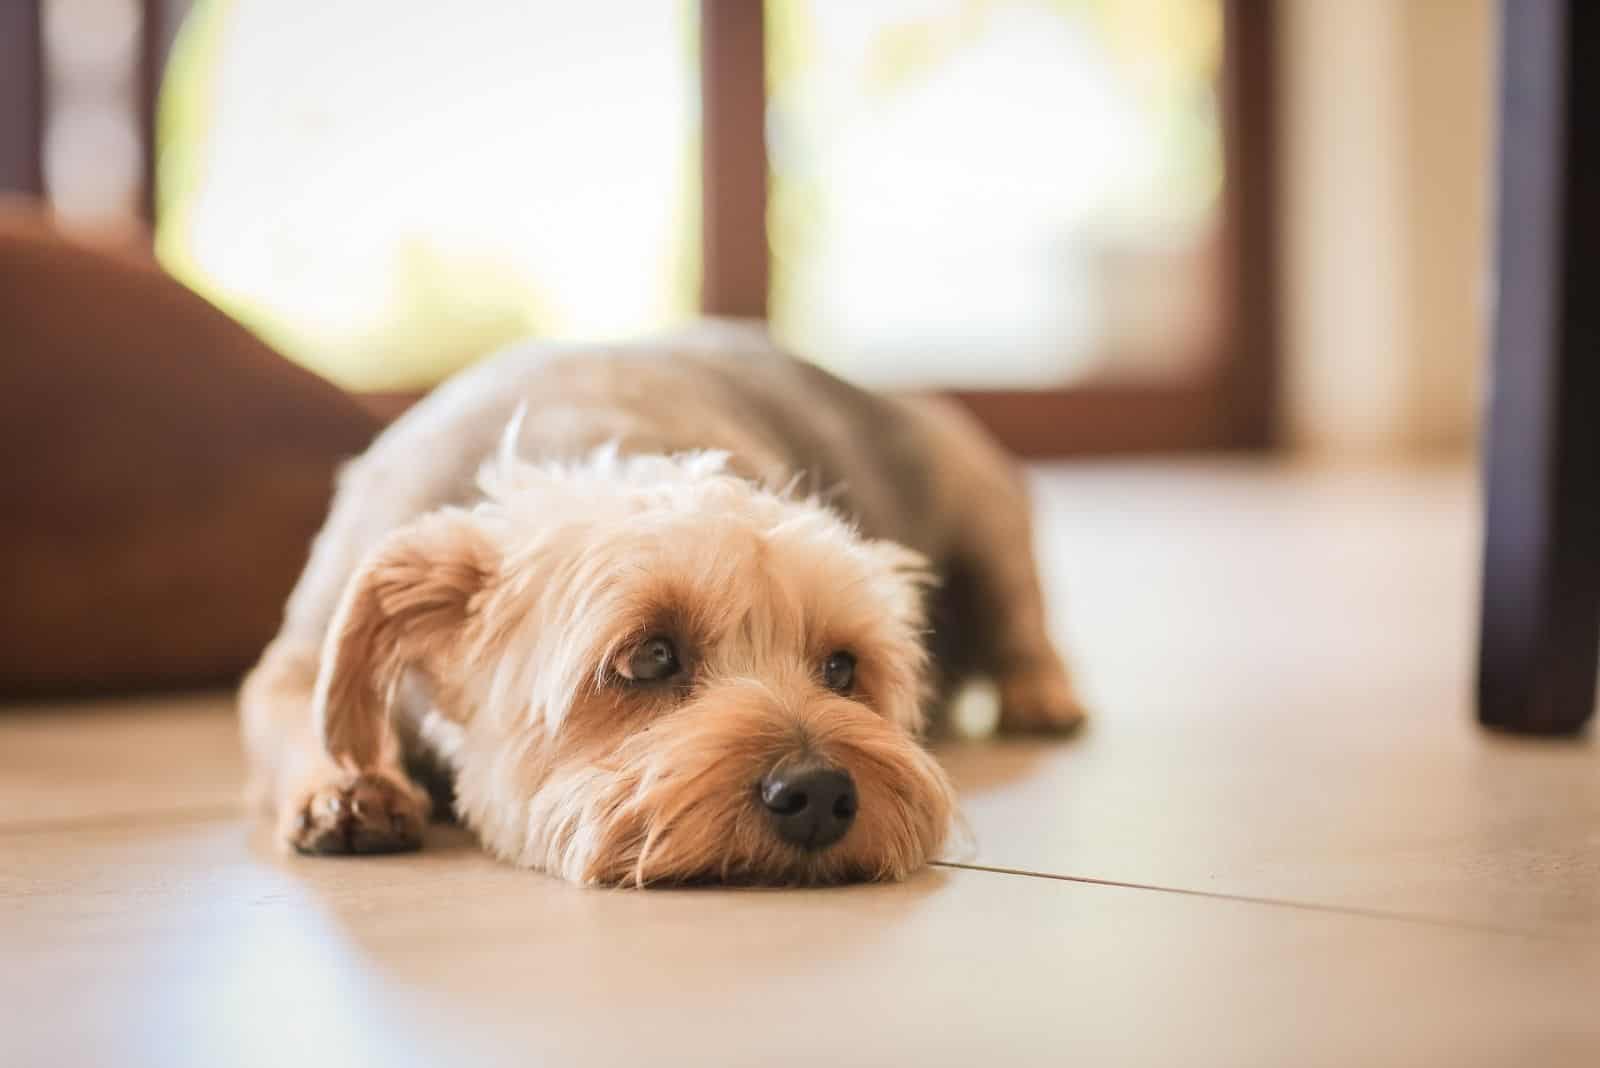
(979, 194)
(1108, 226)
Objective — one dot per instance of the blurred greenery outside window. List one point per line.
(963, 192)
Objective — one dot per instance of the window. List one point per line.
(387, 192)
(1057, 210)
(1016, 193)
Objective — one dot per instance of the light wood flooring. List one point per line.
(1281, 842)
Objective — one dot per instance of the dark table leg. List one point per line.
(1541, 580)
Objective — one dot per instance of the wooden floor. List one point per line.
(1282, 841)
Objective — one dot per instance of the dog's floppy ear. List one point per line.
(409, 603)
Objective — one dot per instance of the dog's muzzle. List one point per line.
(812, 805)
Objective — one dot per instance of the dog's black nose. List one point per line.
(811, 805)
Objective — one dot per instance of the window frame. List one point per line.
(1226, 402)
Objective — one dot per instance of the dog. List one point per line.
(664, 612)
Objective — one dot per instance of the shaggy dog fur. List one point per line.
(801, 567)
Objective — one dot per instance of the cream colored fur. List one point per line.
(482, 621)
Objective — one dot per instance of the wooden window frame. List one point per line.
(1226, 402)
(21, 98)
(24, 94)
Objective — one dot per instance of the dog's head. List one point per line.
(649, 670)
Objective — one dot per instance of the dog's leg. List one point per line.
(1036, 691)
(322, 804)
(319, 805)
(995, 604)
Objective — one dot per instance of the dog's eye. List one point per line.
(652, 660)
(839, 671)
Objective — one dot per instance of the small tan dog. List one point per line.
(657, 614)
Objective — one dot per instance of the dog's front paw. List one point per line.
(366, 812)
(1038, 699)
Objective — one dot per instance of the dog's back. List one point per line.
(718, 386)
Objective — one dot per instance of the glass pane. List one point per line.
(386, 190)
(1000, 193)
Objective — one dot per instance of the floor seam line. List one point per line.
(1273, 902)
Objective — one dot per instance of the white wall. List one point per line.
(1387, 114)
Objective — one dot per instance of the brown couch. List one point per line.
(163, 472)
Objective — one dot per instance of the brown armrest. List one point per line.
(164, 472)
